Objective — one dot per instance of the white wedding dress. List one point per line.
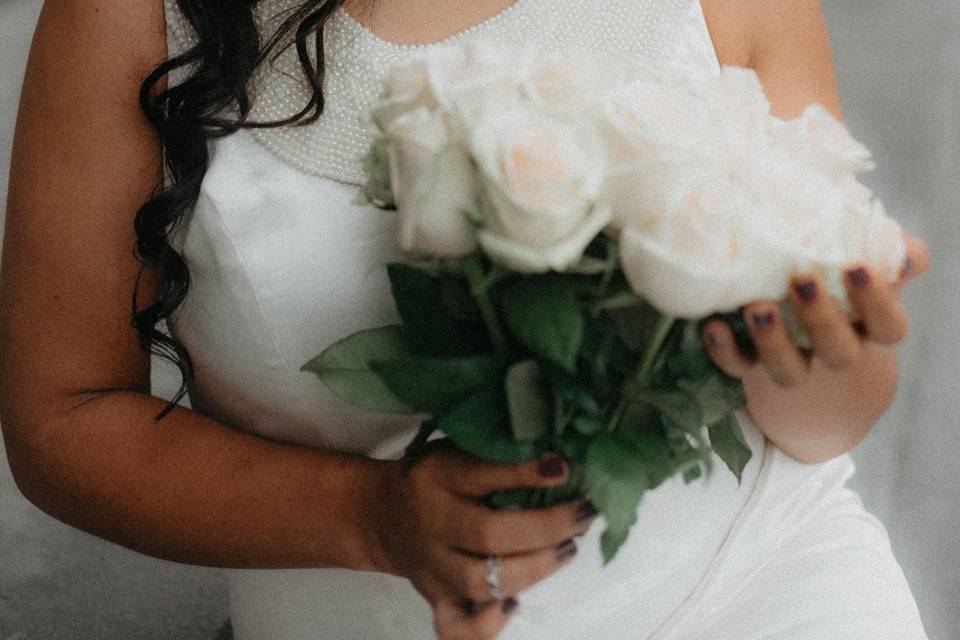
(284, 263)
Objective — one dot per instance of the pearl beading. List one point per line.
(358, 62)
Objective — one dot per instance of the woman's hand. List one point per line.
(819, 403)
(431, 527)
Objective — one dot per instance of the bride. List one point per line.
(233, 176)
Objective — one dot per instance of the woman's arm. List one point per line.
(78, 420)
(74, 390)
(814, 407)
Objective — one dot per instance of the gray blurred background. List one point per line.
(899, 69)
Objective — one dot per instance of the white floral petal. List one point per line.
(558, 257)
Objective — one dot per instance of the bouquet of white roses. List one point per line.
(569, 225)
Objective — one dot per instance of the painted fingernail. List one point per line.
(907, 267)
(764, 321)
(566, 550)
(716, 338)
(861, 328)
(806, 290)
(586, 511)
(509, 605)
(859, 277)
(552, 467)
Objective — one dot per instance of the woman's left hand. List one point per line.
(820, 402)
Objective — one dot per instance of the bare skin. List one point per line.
(74, 394)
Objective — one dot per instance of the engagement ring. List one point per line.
(493, 577)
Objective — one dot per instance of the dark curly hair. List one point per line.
(229, 49)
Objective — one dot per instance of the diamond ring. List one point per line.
(493, 577)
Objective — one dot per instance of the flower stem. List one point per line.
(479, 289)
(660, 332)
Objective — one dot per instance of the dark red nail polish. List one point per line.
(715, 338)
(509, 605)
(552, 467)
(471, 608)
(907, 267)
(566, 550)
(764, 321)
(806, 290)
(586, 511)
(859, 277)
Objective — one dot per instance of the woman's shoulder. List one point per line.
(133, 31)
(743, 29)
(785, 41)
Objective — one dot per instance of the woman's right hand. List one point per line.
(432, 527)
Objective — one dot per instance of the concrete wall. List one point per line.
(899, 67)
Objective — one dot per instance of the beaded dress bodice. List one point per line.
(358, 61)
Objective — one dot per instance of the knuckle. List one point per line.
(529, 572)
(788, 376)
(819, 324)
(487, 535)
(526, 474)
(841, 358)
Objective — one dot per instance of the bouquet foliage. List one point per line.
(568, 227)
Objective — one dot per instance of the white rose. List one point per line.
(639, 194)
(434, 186)
(540, 179)
(822, 225)
(406, 89)
(871, 235)
(741, 112)
(803, 210)
(486, 80)
(656, 119)
(822, 140)
(703, 256)
(564, 85)
(437, 77)
(652, 127)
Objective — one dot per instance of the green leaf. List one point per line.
(688, 359)
(734, 391)
(588, 425)
(567, 388)
(728, 442)
(634, 324)
(590, 266)
(619, 300)
(528, 399)
(679, 408)
(433, 385)
(693, 473)
(574, 447)
(345, 368)
(438, 311)
(618, 472)
(480, 426)
(713, 395)
(544, 314)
